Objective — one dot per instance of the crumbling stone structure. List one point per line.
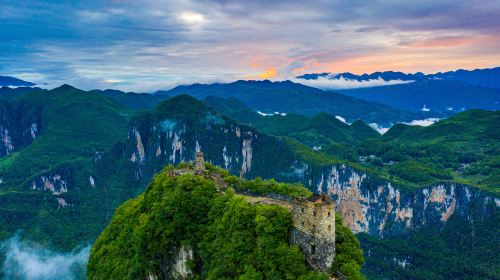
(199, 166)
(313, 219)
(314, 230)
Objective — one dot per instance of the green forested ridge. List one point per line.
(131, 100)
(463, 148)
(232, 108)
(77, 128)
(290, 97)
(462, 249)
(73, 127)
(230, 238)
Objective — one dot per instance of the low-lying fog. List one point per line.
(25, 260)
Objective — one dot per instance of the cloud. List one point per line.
(29, 261)
(424, 122)
(191, 18)
(148, 44)
(379, 128)
(268, 74)
(440, 42)
(343, 83)
(341, 119)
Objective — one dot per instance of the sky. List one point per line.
(157, 44)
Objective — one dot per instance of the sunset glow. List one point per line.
(150, 46)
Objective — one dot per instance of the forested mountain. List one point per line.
(440, 96)
(463, 147)
(50, 140)
(7, 93)
(194, 225)
(131, 100)
(289, 97)
(482, 77)
(11, 81)
(71, 157)
(412, 208)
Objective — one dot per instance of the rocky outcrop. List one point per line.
(17, 127)
(378, 207)
(223, 144)
(366, 203)
(180, 268)
(55, 182)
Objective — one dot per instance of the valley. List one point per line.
(412, 183)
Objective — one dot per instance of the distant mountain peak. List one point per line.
(15, 82)
(65, 87)
(483, 77)
(182, 107)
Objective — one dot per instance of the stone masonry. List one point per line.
(313, 219)
(314, 230)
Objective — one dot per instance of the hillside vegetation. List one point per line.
(290, 97)
(73, 128)
(228, 237)
(464, 148)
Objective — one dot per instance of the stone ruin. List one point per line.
(314, 230)
(313, 220)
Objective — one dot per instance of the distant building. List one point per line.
(199, 165)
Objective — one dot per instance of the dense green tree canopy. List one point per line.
(230, 238)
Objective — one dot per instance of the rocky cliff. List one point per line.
(388, 212)
(18, 127)
(366, 203)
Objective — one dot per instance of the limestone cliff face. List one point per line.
(378, 207)
(55, 182)
(223, 142)
(17, 128)
(366, 204)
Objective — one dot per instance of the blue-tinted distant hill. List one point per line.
(386, 76)
(11, 81)
(7, 93)
(290, 97)
(489, 77)
(441, 93)
(441, 96)
(131, 100)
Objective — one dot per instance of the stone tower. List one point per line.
(199, 165)
(314, 230)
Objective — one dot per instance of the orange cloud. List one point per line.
(269, 73)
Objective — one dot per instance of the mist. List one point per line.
(328, 83)
(26, 260)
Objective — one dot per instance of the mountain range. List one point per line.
(69, 158)
(481, 77)
(289, 97)
(14, 82)
(441, 93)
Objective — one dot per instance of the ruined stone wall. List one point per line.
(315, 218)
(314, 231)
(319, 252)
